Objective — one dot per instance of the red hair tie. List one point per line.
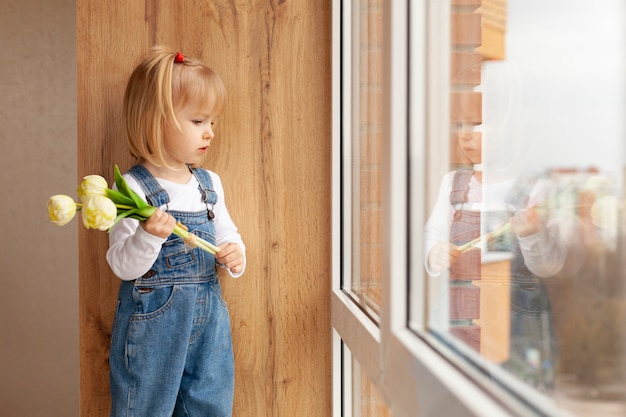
(179, 58)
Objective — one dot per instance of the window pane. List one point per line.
(367, 401)
(366, 154)
(524, 238)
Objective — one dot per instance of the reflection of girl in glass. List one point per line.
(464, 203)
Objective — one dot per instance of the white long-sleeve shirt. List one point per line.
(132, 250)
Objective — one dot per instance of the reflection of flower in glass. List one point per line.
(604, 212)
(61, 209)
(102, 207)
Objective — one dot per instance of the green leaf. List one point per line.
(140, 214)
(120, 215)
(119, 198)
(123, 187)
(125, 196)
(118, 177)
(146, 212)
(138, 201)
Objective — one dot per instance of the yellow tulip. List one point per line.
(99, 212)
(61, 209)
(91, 186)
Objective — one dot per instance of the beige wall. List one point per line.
(39, 275)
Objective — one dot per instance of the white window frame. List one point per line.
(413, 374)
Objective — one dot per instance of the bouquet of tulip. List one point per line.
(102, 207)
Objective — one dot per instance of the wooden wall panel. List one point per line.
(273, 153)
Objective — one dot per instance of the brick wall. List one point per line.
(476, 34)
(370, 142)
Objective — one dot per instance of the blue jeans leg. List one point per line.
(207, 385)
(171, 352)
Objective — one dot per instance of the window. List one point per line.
(496, 126)
(370, 311)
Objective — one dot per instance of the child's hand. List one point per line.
(442, 255)
(231, 257)
(160, 224)
(526, 223)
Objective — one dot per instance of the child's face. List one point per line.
(190, 144)
(470, 142)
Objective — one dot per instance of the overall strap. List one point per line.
(209, 196)
(155, 195)
(460, 186)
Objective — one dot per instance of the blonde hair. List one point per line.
(155, 88)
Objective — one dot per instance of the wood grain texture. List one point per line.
(495, 310)
(273, 154)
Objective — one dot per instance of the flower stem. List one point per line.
(505, 228)
(180, 230)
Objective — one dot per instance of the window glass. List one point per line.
(366, 400)
(523, 237)
(365, 285)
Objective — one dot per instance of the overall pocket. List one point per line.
(151, 302)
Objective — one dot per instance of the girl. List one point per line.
(171, 351)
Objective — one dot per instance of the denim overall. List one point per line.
(171, 349)
(465, 227)
(532, 350)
